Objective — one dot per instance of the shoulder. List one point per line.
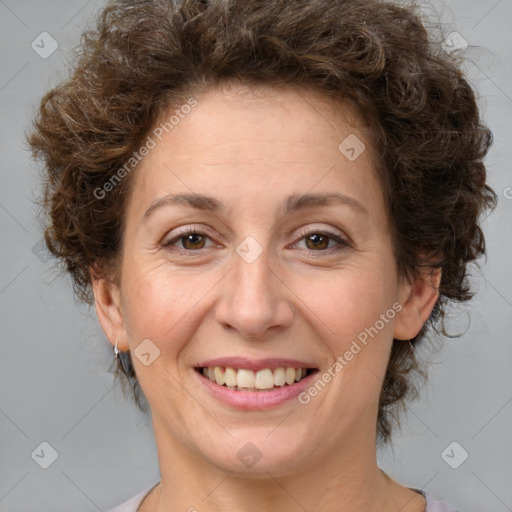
(434, 505)
(133, 503)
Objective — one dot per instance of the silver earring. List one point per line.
(116, 350)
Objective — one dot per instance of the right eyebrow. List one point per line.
(193, 200)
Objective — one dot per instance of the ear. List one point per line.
(417, 299)
(108, 308)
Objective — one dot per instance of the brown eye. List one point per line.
(317, 241)
(193, 241)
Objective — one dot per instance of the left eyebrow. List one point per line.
(298, 202)
(293, 202)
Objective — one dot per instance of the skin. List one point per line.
(251, 150)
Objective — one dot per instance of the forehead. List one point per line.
(267, 115)
(281, 140)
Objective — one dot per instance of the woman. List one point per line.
(269, 203)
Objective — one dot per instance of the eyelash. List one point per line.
(342, 244)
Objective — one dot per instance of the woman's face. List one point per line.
(248, 271)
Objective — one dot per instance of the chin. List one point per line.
(256, 453)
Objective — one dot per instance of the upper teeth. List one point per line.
(247, 380)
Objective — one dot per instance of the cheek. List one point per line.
(355, 321)
(165, 305)
(153, 302)
(350, 300)
(354, 318)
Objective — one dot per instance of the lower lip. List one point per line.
(255, 400)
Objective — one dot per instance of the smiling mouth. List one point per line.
(266, 379)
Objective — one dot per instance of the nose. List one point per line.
(255, 299)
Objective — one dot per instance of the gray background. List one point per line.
(56, 386)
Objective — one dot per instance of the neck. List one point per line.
(350, 481)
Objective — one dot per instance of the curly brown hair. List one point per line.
(145, 57)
